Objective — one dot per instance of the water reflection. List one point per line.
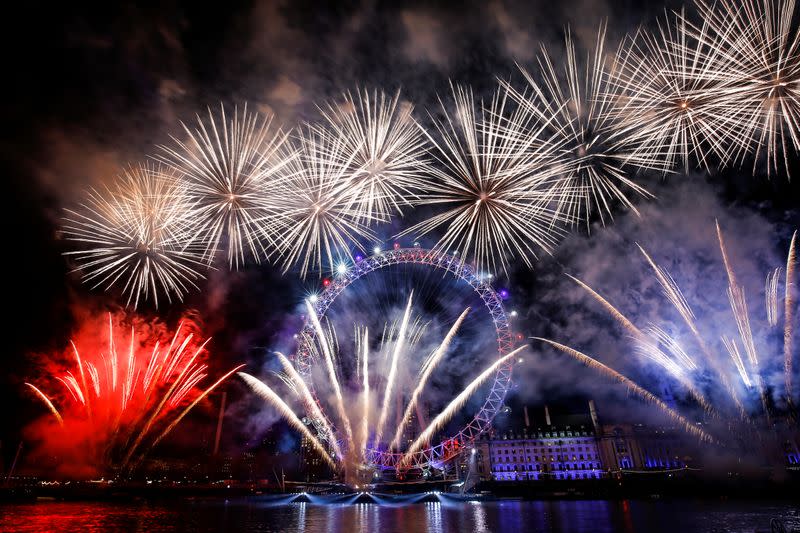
(433, 516)
(478, 517)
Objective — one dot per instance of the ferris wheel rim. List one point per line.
(493, 402)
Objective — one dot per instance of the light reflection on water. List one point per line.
(445, 516)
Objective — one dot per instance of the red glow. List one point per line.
(326, 282)
(120, 387)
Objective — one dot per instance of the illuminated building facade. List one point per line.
(577, 447)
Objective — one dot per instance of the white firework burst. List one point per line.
(133, 237)
(593, 156)
(670, 97)
(759, 47)
(316, 218)
(230, 167)
(494, 183)
(386, 149)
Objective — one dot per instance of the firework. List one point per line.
(327, 351)
(632, 386)
(128, 401)
(317, 219)
(398, 340)
(132, 237)
(309, 402)
(771, 296)
(42, 396)
(457, 403)
(425, 374)
(275, 400)
(742, 358)
(788, 316)
(390, 380)
(758, 52)
(495, 183)
(230, 168)
(591, 152)
(385, 150)
(669, 98)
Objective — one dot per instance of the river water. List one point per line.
(505, 516)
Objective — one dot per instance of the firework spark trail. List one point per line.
(48, 403)
(389, 166)
(738, 303)
(674, 295)
(632, 386)
(286, 412)
(160, 407)
(676, 366)
(494, 183)
(309, 401)
(673, 347)
(95, 376)
(387, 393)
(191, 406)
(230, 168)
(788, 316)
(742, 318)
(448, 412)
(152, 365)
(646, 347)
(650, 350)
(365, 394)
(323, 340)
(760, 50)
(426, 373)
(771, 296)
(725, 259)
(79, 364)
(733, 350)
(672, 292)
(132, 237)
(127, 385)
(618, 316)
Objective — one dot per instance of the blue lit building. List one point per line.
(577, 447)
(567, 450)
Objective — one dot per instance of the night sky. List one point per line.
(91, 90)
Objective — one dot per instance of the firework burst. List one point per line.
(670, 99)
(132, 237)
(494, 183)
(230, 168)
(385, 149)
(316, 217)
(119, 400)
(757, 52)
(592, 155)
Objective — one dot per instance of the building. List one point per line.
(548, 451)
(639, 447)
(311, 464)
(577, 447)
